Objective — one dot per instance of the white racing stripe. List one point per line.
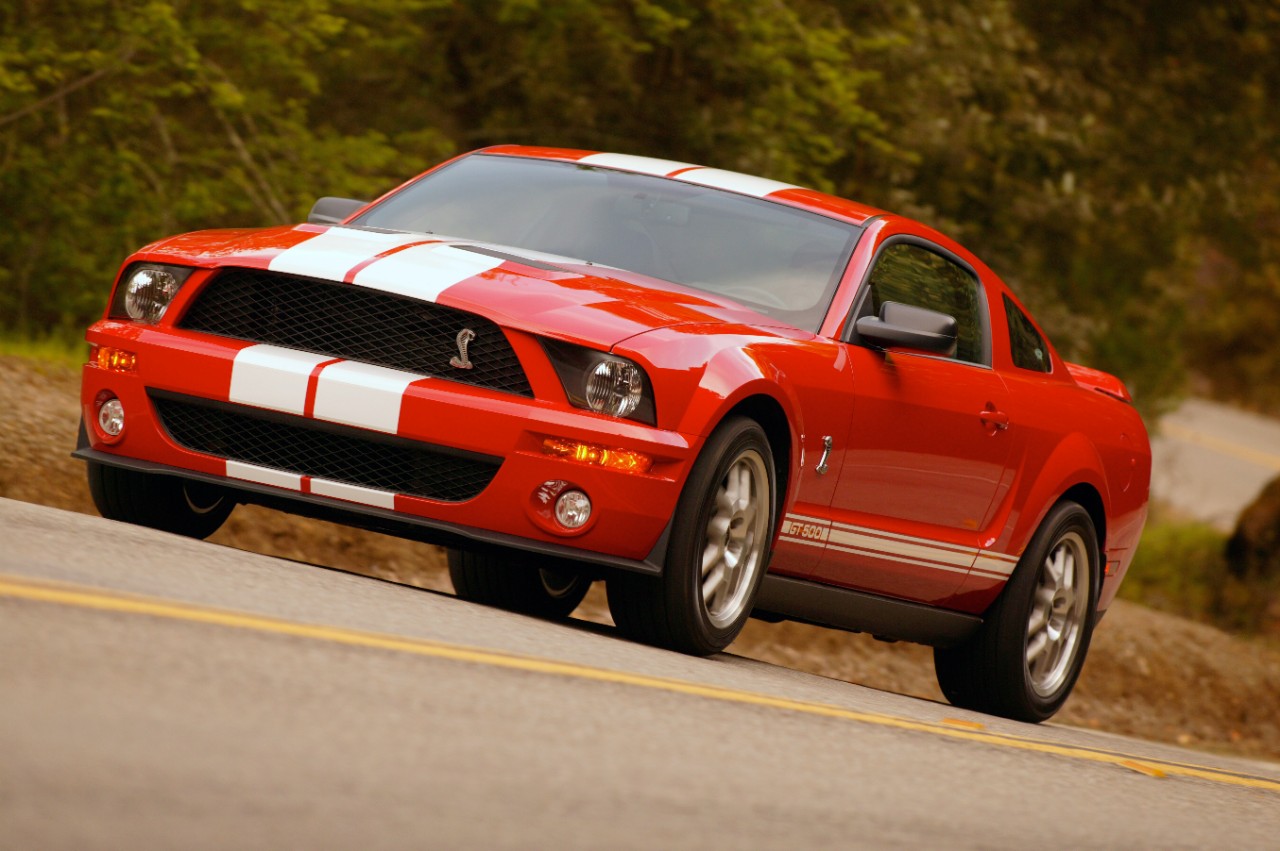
(353, 493)
(272, 377)
(362, 395)
(264, 475)
(335, 252)
(424, 271)
(628, 162)
(733, 181)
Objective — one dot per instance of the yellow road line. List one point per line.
(89, 598)
(1217, 444)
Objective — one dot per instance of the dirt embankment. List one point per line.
(1149, 674)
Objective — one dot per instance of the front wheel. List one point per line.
(167, 503)
(718, 554)
(1025, 658)
(517, 582)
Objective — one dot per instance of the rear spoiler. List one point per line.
(1103, 382)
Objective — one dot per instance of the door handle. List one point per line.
(994, 420)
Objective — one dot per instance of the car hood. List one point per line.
(543, 294)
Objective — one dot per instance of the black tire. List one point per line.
(517, 582)
(673, 610)
(167, 503)
(1026, 657)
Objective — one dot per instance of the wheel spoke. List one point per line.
(1039, 619)
(1036, 647)
(1053, 567)
(712, 555)
(718, 528)
(712, 584)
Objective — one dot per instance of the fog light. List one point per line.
(573, 509)
(111, 417)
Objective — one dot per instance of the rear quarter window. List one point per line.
(1025, 343)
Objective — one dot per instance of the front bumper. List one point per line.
(631, 511)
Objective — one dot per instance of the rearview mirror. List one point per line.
(905, 326)
(332, 211)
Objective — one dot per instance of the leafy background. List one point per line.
(1115, 162)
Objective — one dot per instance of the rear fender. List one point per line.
(1074, 462)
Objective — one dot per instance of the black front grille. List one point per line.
(355, 323)
(324, 451)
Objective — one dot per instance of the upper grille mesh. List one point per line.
(356, 323)
(305, 447)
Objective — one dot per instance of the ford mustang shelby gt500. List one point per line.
(723, 395)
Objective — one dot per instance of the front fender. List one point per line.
(702, 373)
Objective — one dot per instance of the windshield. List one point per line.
(778, 260)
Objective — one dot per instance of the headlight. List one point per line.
(615, 387)
(602, 382)
(146, 290)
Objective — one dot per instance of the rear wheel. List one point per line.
(167, 503)
(517, 582)
(1024, 660)
(718, 553)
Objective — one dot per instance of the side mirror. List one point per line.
(903, 326)
(332, 211)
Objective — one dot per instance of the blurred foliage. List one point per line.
(1182, 568)
(47, 349)
(1115, 162)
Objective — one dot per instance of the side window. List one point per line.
(913, 275)
(1025, 342)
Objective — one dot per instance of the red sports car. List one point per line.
(722, 395)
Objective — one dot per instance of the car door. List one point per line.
(928, 445)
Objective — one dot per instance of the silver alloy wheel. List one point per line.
(736, 536)
(1059, 611)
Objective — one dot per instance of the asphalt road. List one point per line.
(1210, 461)
(161, 692)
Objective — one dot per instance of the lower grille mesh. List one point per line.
(302, 446)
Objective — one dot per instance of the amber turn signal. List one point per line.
(116, 360)
(600, 456)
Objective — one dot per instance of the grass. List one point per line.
(55, 349)
(1181, 568)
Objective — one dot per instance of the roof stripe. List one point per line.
(629, 162)
(733, 181)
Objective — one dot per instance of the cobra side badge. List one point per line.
(464, 338)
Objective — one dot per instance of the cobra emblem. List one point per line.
(464, 338)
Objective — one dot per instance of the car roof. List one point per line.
(746, 184)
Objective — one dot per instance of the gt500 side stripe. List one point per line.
(924, 552)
